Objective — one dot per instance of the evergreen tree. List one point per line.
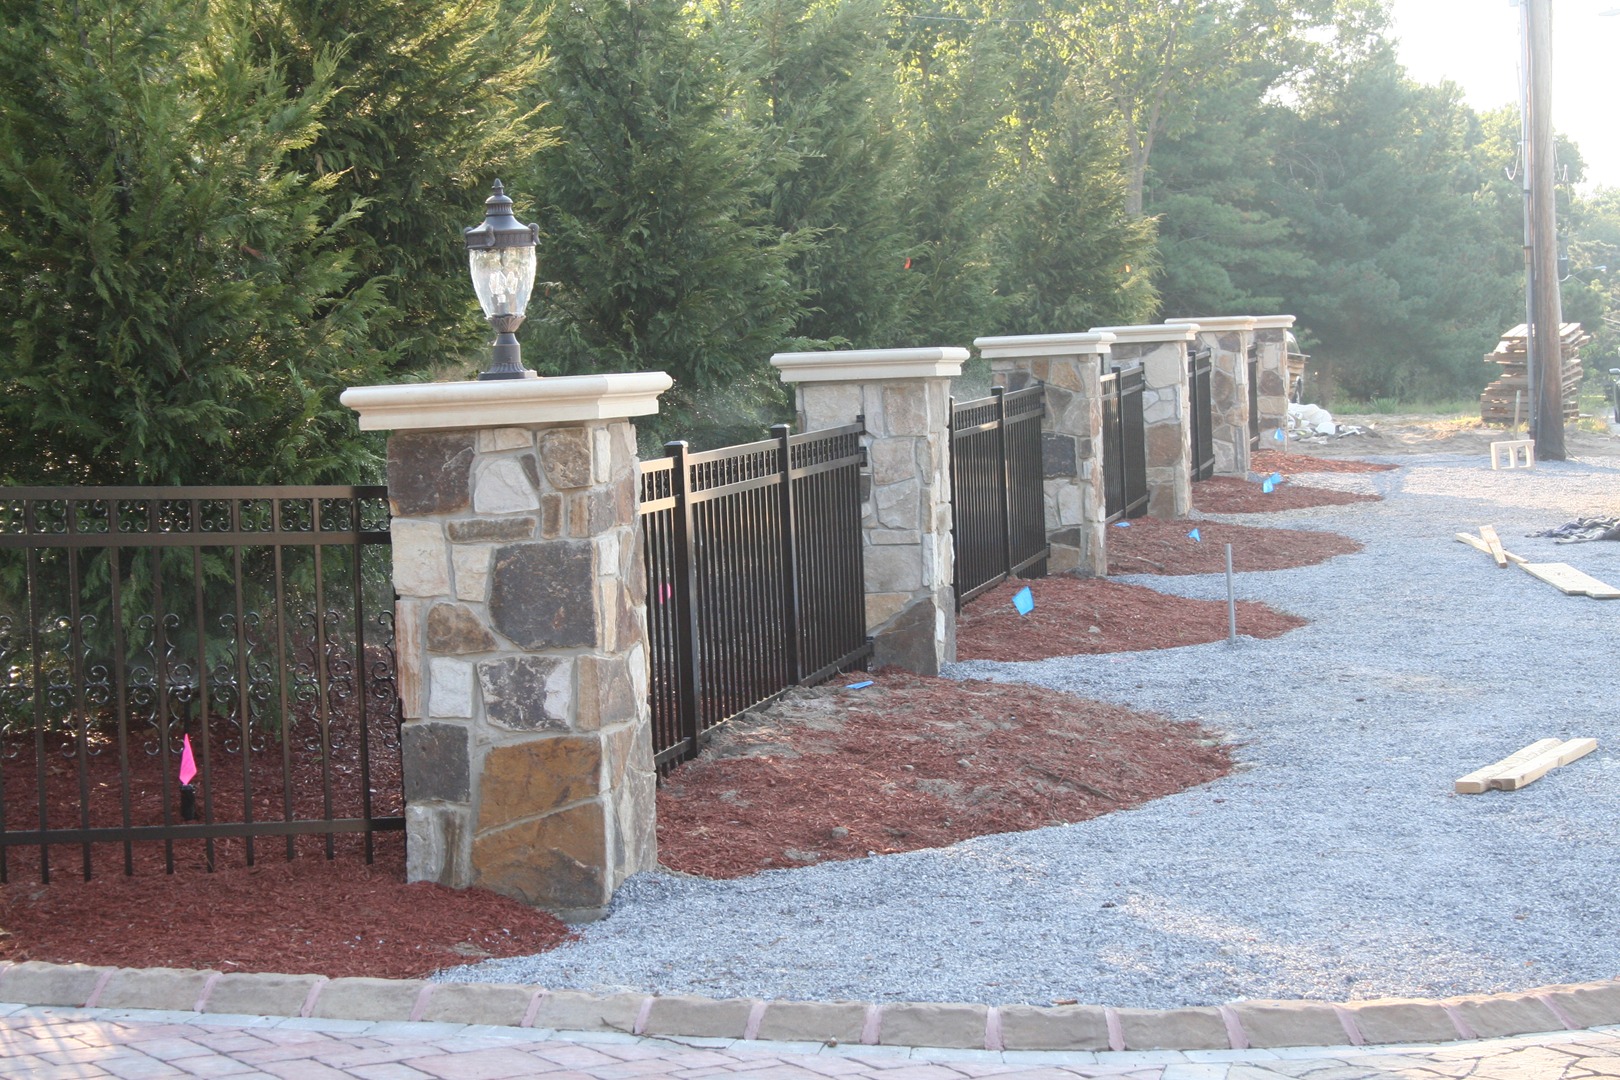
(177, 301)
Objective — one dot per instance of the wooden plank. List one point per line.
(1493, 544)
(1529, 771)
(1475, 542)
(1479, 780)
(1570, 581)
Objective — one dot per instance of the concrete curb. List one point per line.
(1241, 1025)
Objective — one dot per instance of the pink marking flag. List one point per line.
(188, 763)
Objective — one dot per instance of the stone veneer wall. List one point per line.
(521, 640)
(1167, 415)
(1228, 340)
(1270, 338)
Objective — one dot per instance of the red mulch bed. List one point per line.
(1152, 546)
(1235, 495)
(913, 762)
(1277, 461)
(1083, 616)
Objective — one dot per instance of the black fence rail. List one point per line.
(1254, 397)
(998, 503)
(755, 580)
(1200, 366)
(199, 668)
(1125, 487)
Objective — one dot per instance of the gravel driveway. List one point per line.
(1334, 863)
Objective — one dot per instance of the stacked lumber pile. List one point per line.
(1496, 402)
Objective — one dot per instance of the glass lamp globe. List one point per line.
(500, 254)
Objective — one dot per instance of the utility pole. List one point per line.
(1546, 308)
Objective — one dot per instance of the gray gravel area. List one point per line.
(1334, 863)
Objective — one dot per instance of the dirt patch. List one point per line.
(1151, 546)
(1085, 616)
(910, 762)
(337, 918)
(1428, 434)
(1291, 464)
(1235, 495)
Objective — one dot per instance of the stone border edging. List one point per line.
(1242, 1025)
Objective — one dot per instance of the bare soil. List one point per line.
(1397, 434)
(832, 773)
(1292, 464)
(1235, 495)
(1152, 546)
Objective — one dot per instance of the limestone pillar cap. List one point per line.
(1216, 322)
(506, 402)
(870, 365)
(1150, 333)
(1273, 322)
(1090, 343)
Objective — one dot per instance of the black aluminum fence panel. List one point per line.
(755, 580)
(1200, 367)
(254, 625)
(998, 502)
(1254, 397)
(1125, 489)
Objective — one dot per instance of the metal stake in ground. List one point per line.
(1231, 601)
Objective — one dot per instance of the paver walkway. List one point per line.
(77, 1044)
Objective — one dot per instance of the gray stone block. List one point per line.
(368, 999)
(527, 693)
(908, 641)
(490, 530)
(428, 472)
(435, 762)
(574, 1010)
(478, 1003)
(816, 1021)
(1496, 1015)
(543, 595)
(927, 1024)
(1058, 456)
(1173, 1029)
(172, 989)
(1064, 1027)
(37, 983)
(1289, 1023)
(1595, 1004)
(260, 994)
(699, 1017)
(1400, 1021)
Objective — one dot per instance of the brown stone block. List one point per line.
(1399, 1021)
(538, 777)
(698, 1017)
(557, 862)
(927, 1024)
(813, 1021)
(551, 515)
(566, 455)
(1066, 1027)
(490, 530)
(1165, 445)
(541, 594)
(456, 630)
(605, 692)
(428, 472)
(1498, 1015)
(1595, 1004)
(1290, 1023)
(1173, 1029)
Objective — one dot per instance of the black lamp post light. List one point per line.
(501, 253)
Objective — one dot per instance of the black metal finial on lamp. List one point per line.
(501, 254)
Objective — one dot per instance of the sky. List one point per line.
(1475, 44)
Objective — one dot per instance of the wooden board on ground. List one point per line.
(1570, 581)
(1525, 767)
(1479, 545)
(1493, 544)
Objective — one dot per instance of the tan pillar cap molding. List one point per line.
(1143, 334)
(1273, 322)
(506, 402)
(870, 365)
(1216, 322)
(1089, 343)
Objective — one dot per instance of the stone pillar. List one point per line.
(1228, 338)
(520, 632)
(1271, 341)
(905, 397)
(1071, 437)
(1166, 410)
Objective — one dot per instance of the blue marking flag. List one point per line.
(1193, 536)
(1268, 487)
(1278, 435)
(1024, 601)
(859, 685)
(1122, 524)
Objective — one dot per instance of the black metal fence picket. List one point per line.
(1125, 487)
(755, 580)
(1200, 367)
(998, 502)
(194, 666)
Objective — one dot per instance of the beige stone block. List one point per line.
(368, 999)
(502, 487)
(905, 409)
(1070, 510)
(601, 455)
(421, 558)
(606, 693)
(897, 505)
(1594, 1004)
(1497, 1015)
(450, 688)
(1290, 1023)
(260, 994)
(1399, 1021)
(813, 1021)
(471, 565)
(170, 989)
(881, 607)
(436, 844)
(33, 982)
(928, 1024)
(479, 1003)
(826, 405)
(893, 460)
(575, 1010)
(1066, 1027)
(893, 569)
(698, 1017)
(410, 658)
(1165, 368)
(495, 440)
(1173, 1029)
